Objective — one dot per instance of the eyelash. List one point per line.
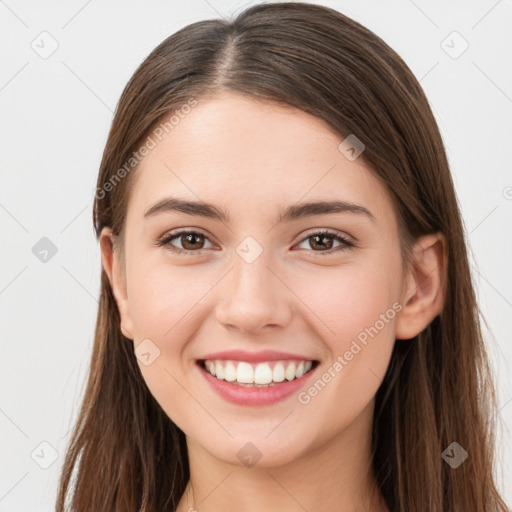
(166, 241)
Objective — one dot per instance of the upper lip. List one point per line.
(264, 355)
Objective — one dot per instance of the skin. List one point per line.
(253, 159)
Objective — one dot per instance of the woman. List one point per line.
(287, 319)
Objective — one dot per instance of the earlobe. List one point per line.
(425, 291)
(113, 268)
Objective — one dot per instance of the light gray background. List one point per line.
(56, 112)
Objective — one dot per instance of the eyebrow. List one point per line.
(291, 213)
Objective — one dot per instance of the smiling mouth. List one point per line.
(257, 375)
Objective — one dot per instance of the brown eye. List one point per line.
(322, 242)
(191, 242)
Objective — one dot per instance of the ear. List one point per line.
(425, 289)
(111, 260)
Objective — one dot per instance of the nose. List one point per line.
(254, 297)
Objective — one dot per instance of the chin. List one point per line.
(259, 451)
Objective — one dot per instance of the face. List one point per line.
(319, 290)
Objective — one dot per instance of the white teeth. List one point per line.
(263, 374)
(219, 370)
(257, 375)
(299, 372)
(244, 373)
(230, 372)
(290, 372)
(210, 367)
(278, 373)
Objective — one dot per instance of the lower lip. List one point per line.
(242, 395)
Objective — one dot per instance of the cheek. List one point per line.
(164, 300)
(164, 303)
(354, 309)
(347, 300)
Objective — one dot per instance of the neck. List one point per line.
(335, 477)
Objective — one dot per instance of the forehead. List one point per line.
(248, 155)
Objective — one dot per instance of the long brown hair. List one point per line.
(126, 453)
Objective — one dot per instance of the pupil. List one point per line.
(323, 238)
(190, 237)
